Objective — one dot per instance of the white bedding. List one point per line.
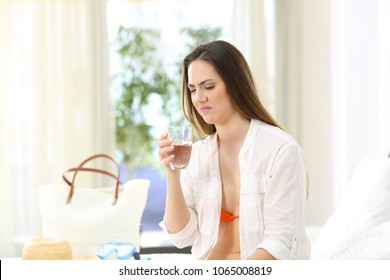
(372, 243)
(360, 227)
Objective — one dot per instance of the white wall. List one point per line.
(303, 92)
(360, 91)
(343, 62)
(316, 113)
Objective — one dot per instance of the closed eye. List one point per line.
(209, 87)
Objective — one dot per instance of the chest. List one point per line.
(230, 180)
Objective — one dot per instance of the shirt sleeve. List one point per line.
(188, 234)
(285, 203)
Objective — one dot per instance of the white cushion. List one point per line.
(360, 227)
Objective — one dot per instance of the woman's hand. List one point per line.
(164, 147)
(176, 214)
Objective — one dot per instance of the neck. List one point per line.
(234, 132)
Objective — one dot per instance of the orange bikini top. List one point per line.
(225, 216)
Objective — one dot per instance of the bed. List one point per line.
(359, 229)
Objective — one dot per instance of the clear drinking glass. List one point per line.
(182, 144)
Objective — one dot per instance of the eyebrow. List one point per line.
(201, 83)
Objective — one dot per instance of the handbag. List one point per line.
(89, 217)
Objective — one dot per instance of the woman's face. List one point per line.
(208, 93)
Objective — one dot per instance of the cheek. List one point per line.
(193, 103)
(192, 98)
(222, 99)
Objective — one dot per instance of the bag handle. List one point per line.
(94, 170)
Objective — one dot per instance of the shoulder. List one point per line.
(270, 133)
(273, 139)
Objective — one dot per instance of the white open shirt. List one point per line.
(272, 196)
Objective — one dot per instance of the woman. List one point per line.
(243, 193)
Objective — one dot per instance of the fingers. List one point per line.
(162, 140)
(164, 149)
(163, 136)
(167, 160)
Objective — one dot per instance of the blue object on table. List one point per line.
(123, 250)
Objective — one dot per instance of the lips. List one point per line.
(205, 109)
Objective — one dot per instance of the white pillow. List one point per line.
(360, 227)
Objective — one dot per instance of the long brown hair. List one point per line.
(236, 74)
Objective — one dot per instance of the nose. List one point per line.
(199, 96)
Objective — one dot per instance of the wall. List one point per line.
(360, 89)
(343, 61)
(303, 92)
(316, 113)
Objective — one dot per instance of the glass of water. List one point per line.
(182, 139)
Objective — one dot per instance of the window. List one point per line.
(54, 109)
(168, 18)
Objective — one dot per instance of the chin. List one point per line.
(209, 121)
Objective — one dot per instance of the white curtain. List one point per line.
(54, 103)
(287, 65)
(384, 74)
(252, 36)
(361, 86)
